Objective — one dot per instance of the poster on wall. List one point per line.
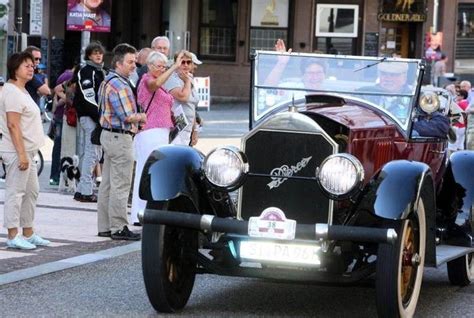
(3, 18)
(269, 13)
(337, 20)
(88, 15)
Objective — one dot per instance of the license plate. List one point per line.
(278, 252)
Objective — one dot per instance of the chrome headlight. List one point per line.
(429, 102)
(225, 167)
(340, 175)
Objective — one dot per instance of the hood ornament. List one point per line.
(281, 174)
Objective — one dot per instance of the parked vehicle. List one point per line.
(333, 183)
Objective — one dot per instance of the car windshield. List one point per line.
(386, 83)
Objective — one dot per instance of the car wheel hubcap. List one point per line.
(410, 261)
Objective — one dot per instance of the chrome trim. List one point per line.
(321, 230)
(391, 236)
(357, 165)
(244, 166)
(291, 123)
(206, 221)
(140, 215)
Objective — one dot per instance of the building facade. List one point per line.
(223, 33)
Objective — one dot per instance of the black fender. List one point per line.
(397, 188)
(171, 171)
(457, 197)
(394, 192)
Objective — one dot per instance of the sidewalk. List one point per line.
(71, 227)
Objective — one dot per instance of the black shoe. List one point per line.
(105, 234)
(78, 196)
(125, 234)
(89, 198)
(137, 224)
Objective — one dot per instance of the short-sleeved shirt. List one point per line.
(189, 107)
(116, 102)
(13, 99)
(158, 113)
(32, 87)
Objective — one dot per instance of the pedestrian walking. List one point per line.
(439, 69)
(88, 81)
(22, 136)
(156, 104)
(119, 120)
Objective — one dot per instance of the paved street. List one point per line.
(71, 225)
(115, 288)
(87, 276)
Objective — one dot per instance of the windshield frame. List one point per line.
(414, 81)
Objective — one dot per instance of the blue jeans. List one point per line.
(91, 156)
(56, 153)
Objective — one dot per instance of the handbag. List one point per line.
(71, 115)
(95, 135)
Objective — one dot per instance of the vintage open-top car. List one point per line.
(344, 174)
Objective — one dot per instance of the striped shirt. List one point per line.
(116, 102)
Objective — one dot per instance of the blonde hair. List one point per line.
(185, 54)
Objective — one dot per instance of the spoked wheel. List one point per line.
(38, 158)
(169, 264)
(461, 270)
(400, 267)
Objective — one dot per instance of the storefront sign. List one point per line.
(402, 17)
(87, 15)
(269, 13)
(402, 11)
(36, 17)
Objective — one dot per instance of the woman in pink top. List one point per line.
(460, 128)
(156, 103)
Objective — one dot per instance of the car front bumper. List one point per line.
(317, 231)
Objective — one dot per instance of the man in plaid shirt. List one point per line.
(119, 120)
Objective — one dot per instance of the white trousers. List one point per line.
(21, 191)
(460, 136)
(145, 143)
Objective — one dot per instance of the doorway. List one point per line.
(398, 39)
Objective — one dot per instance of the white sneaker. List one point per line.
(37, 240)
(20, 243)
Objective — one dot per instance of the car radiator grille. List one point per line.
(287, 153)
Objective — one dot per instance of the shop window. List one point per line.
(218, 28)
(337, 20)
(336, 28)
(269, 22)
(344, 46)
(465, 31)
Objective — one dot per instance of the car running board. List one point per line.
(446, 253)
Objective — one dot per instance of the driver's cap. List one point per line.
(393, 67)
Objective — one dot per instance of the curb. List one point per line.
(67, 263)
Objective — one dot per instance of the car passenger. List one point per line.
(393, 81)
(313, 74)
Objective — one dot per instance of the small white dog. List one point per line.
(70, 174)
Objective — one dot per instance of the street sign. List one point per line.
(36, 17)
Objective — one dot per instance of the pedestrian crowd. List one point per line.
(120, 114)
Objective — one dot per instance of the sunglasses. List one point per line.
(37, 58)
(188, 62)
